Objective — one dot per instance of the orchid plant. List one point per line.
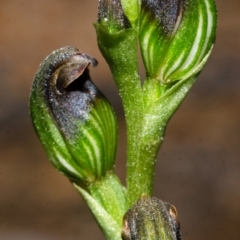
(77, 125)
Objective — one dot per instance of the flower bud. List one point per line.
(112, 16)
(151, 218)
(175, 37)
(74, 121)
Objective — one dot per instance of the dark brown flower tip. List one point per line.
(151, 218)
(111, 14)
(168, 13)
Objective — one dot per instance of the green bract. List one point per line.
(175, 36)
(73, 120)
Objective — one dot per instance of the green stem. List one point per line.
(141, 170)
(143, 137)
(120, 51)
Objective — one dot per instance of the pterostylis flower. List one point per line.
(78, 129)
(151, 218)
(73, 120)
(176, 36)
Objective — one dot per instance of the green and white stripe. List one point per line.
(94, 147)
(91, 154)
(172, 58)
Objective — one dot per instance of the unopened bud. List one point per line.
(74, 121)
(175, 37)
(151, 218)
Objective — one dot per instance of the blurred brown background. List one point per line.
(198, 168)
